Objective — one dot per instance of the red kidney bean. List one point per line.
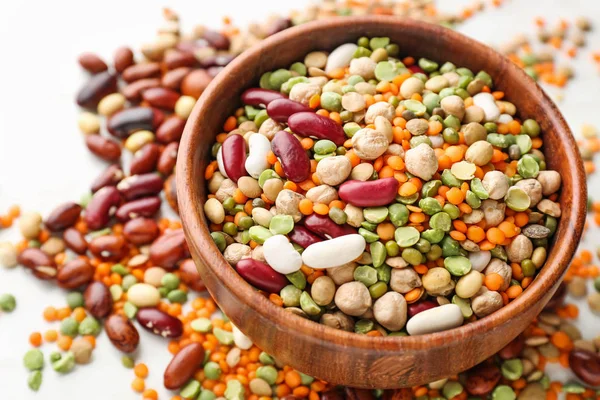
(102, 147)
(281, 109)
(415, 308)
(170, 130)
(257, 97)
(122, 333)
(75, 273)
(159, 323)
(176, 59)
(168, 159)
(303, 237)
(141, 71)
(482, 379)
(161, 97)
(219, 60)
(112, 175)
(323, 226)
(234, 156)
(145, 159)
(97, 87)
(142, 185)
(190, 276)
(123, 58)
(97, 299)
(75, 241)
(63, 216)
(140, 231)
(170, 190)
(173, 78)
(333, 394)
(558, 299)
(145, 207)
(195, 83)
(101, 207)
(216, 39)
(133, 91)
(278, 25)
(92, 63)
(586, 365)
(375, 193)
(294, 160)
(40, 263)
(261, 275)
(108, 247)
(358, 394)
(415, 69)
(513, 349)
(169, 249)
(310, 124)
(183, 366)
(127, 121)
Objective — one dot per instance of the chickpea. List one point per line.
(497, 266)
(287, 203)
(380, 108)
(438, 282)
(496, 184)
(353, 298)
(486, 302)
(302, 92)
(270, 127)
(421, 161)
(480, 153)
(338, 320)
(411, 86)
(550, 181)
(390, 310)
(404, 280)
(30, 225)
(226, 189)
(368, 144)
(364, 67)
(354, 214)
(322, 194)
(334, 170)
(519, 249)
(453, 105)
(533, 188)
(235, 252)
(342, 274)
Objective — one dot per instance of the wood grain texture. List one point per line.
(342, 357)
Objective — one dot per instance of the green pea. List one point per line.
(441, 221)
(573, 387)
(267, 373)
(528, 167)
(281, 224)
(54, 356)
(297, 279)
(423, 246)
(453, 122)
(119, 269)
(378, 289)
(486, 78)
(512, 369)
(324, 146)
(503, 392)
(214, 150)
(351, 128)
(524, 143)
(464, 81)
(531, 127)
(409, 199)
(259, 234)
(245, 222)
(412, 256)
(597, 284)
(398, 214)
(450, 247)
(7, 302)
(127, 362)
(379, 42)
(431, 101)
(457, 265)
(502, 141)
(517, 199)
(190, 390)
(435, 253)
(229, 228)
(406, 236)
(229, 204)
(338, 215)
(490, 127)
(319, 157)
(131, 310)
(261, 117)
(177, 296)
(354, 79)
(378, 253)
(462, 93)
(308, 305)
(433, 235)
(430, 206)
(201, 325)
(478, 188)
(452, 389)
(65, 364)
(331, 101)
(33, 359)
(299, 68)
(265, 80)
(417, 140)
(464, 72)
(375, 215)
(206, 394)
(451, 136)
(69, 327)
(428, 65)
(369, 236)
(392, 49)
(447, 67)
(366, 275)
(384, 273)
(386, 71)
(551, 223)
(89, 326)
(251, 112)
(266, 359)
(449, 91)
(278, 78)
(472, 199)
(290, 295)
(223, 336)
(212, 370)
(430, 189)
(364, 326)
(449, 179)
(128, 281)
(74, 300)
(416, 107)
(392, 248)
(464, 305)
(170, 281)
(34, 381)
(452, 210)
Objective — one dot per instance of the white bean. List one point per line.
(143, 295)
(242, 341)
(340, 57)
(504, 119)
(256, 162)
(281, 255)
(487, 102)
(479, 260)
(435, 319)
(220, 163)
(334, 252)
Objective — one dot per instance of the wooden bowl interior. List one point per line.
(343, 357)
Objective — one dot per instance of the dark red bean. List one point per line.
(102, 147)
(303, 237)
(40, 263)
(323, 226)
(92, 63)
(122, 333)
(140, 231)
(108, 247)
(375, 193)
(177, 59)
(146, 207)
(170, 130)
(141, 71)
(97, 299)
(173, 78)
(168, 159)
(63, 216)
(214, 71)
(216, 39)
(169, 249)
(257, 97)
(195, 83)
(102, 206)
(137, 186)
(333, 394)
(133, 91)
(75, 273)
(145, 159)
(294, 160)
(397, 394)
(513, 349)
(112, 175)
(281, 109)
(97, 87)
(190, 276)
(161, 97)
(418, 307)
(586, 365)
(170, 190)
(358, 394)
(123, 58)
(482, 379)
(234, 157)
(159, 323)
(75, 241)
(415, 69)
(260, 275)
(127, 121)
(183, 365)
(315, 125)
(219, 60)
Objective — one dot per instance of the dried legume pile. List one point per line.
(124, 266)
(403, 193)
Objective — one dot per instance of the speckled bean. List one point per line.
(97, 299)
(122, 333)
(145, 207)
(170, 130)
(125, 122)
(112, 175)
(159, 323)
(140, 231)
(183, 365)
(102, 147)
(96, 88)
(294, 160)
(75, 240)
(144, 160)
(102, 207)
(161, 97)
(75, 273)
(63, 216)
(137, 186)
(41, 264)
(370, 193)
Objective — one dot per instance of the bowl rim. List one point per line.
(197, 231)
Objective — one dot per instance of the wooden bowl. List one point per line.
(342, 357)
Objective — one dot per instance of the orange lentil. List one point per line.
(321, 209)
(141, 370)
(64, 342)
(50, 335)
(407, 189)
(386, 231)
(455, 196)
(305, 206)
(50, 314)
(150, 394)
(138, 385)
(514, 291)
(456, 235)
(493, 281)
(495, 235)
(35, 339)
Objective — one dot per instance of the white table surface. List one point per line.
(43, 160)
